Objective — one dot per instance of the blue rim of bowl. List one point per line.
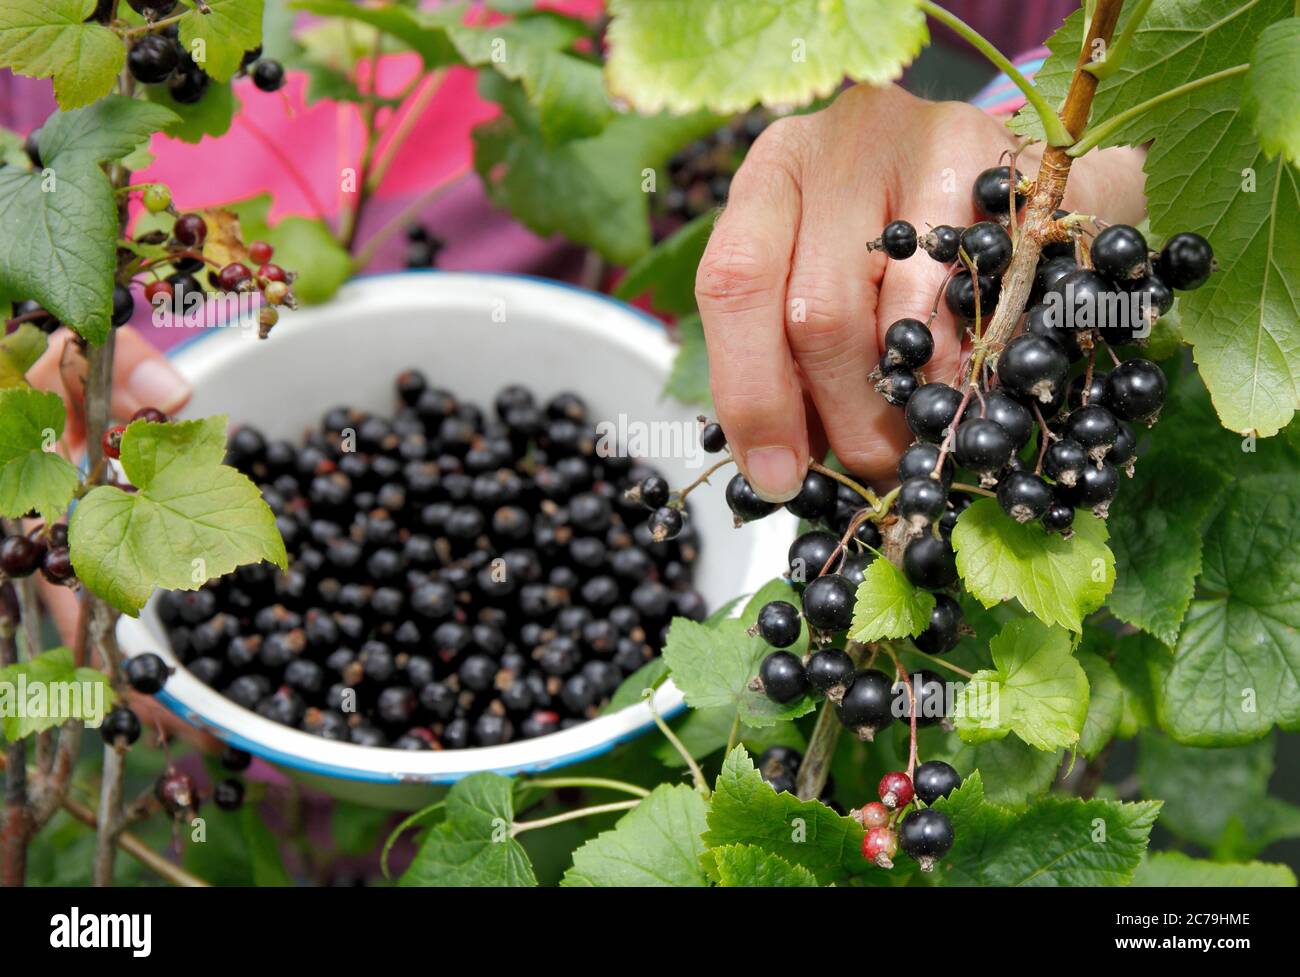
(295, 762)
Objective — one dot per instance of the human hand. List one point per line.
(795, 308)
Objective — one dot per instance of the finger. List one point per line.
(144, 377)
(740, 289)
(62, 370)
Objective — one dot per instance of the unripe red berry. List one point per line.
(260, 252)
(112, 441)
(896, 790)
(879, 846)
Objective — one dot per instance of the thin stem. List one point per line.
(109, 821)
(1099, 133)
(680, 495)
(815, 767)
(599, 783)
(585, 812)
(366, 253)
(402, 130)
(734, 736)
(697, 774)
(1057, 134)
(872, 499)
(939, 661)
(1115, 55)
(911, 699)
(410, 821)
(967, 487)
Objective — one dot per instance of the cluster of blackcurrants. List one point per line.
(44, 548)
(456, 578)
(1082, 422)
(159, 57)
(924, 833)
(700, 175)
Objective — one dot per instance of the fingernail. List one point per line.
(774, 472)
(155, 383)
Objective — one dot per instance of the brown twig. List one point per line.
(15, 826)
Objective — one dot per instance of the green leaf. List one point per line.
(19, 352)
(657, 843)
(108, 130)
(300, 243)
(1236, 667)
(749, 865)
(47, 690)
(1140, 663)
(888, 606)
(1174, 870)
(1058, 581)
(191, 518)
(1056, 841)
(423, 32)
(1105, 704)
(1012, 772)
(651, 675)
(688, 381)
(744, 810)
(474, 846)
(222, 34)
(667, 271)
(211, 115)
(1039, 690)
(50, 39)
(1210, 792)
(1272, 95)
(705, 731)
(1156, 535)
(589, 190)
(713, 668)
(32, 474)
(683, 55)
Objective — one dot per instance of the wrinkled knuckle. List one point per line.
(738, 272)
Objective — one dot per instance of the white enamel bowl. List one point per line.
(471, 333)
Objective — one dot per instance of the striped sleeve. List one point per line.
(1001, 96)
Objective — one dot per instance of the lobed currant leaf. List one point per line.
(657, 843)
(1012, 771)
(240, 849)
(749, 865)
(1105, 704)
(424, 32)
(45, 678)
(51, 39)
(1272, 95)
(651, 675)
(1173, 869)
(187, 522)
(888, 605)
(33, 476)
(222, 34)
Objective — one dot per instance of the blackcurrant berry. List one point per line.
(926, 835)
(920, 460)
(653, 491)
(898, 240)
(1012, 416)
(961, 299)
(1033, 368)
(897, 385)
(1087, 298)
(188, 83)
(982, 445)
(880, 845)
(935, 779)
(1125, 447)
(921, 501)
(1082, 391)
(1186, 261)
(908, 343)
(830, 671)
(828, 603)
(929, 562)
(1135, 390)
(151, 59)
(1095, 490)
(123, 304)
(930, 693)
(895, 790)
(992, 190)
(235, 759)
(1050, 273)
(1152, 298)
(190, 230)
(944, 630)
(147, 673)
(1044, 320)
(268, 75)
(228, 794)
(816, 499)
(175, 792)
(779, 623)
(153, 9)
(866, 706)
(942, 243)
(809, 553)
(56, 565)
(1058, 518)
(1065, 460)
(120, 723)
(1024, 496)
(1119, 252)
(988, 246)
(931, 410)
(666, 523)
(712, 438)
(779, 765)
(1094, 427)
(783, 677)
(744, 502)
(19, 556)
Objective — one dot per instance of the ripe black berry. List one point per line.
(942, 243)
(712, 438)
(919, 461)
(926, 835)
(1033, 368)
(188, 83)
(1065, 460)
(830, 671)
(151, 59)
(19, 556)
(816, 498)
(961, 299)
(744, 502)
(153, 9)
(828, 603)
(1152, 297)
(653, 491)
(783, 677)
(235, 759)
(1044, 320)
(935, 779)
(666, 523)
(228, 794)
(1058, 518)
(1012, 416)
(929, 562)
(1119, 252)
(268, 75)
(1082, 392)
(123, 304)
(779, 765)
(897, 385)
(866, 706)
(120, 723)
(988, 246)
(56, 565)
(991, 192)
(944, 630)
(809, 553)
(190, 230)
(898, 239)
(779, 624)
(1135, 390)
(1094, 427)
(908, 343)
(175, 792)
(146, 673)
(931, 410)
(1186, 261)
(921, 501)
(1088, 300)
(982, 445)
(1050, 273)
(1095, 490)
(1024, 496)
(1123, 450)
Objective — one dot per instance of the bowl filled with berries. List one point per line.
(481, 489)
